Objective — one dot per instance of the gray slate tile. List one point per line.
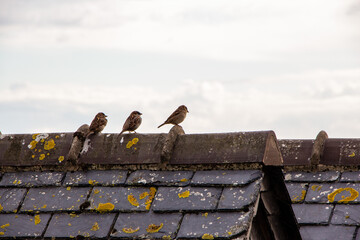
(10, 198)
(96, 178)
(147, 225)
(350, 177)
(160, 178)
(327, 232)
(122, 198)
(186, 198)
(333, 193)
(54, 199)
(312, 213)
(239, 197)
(214, 225)
(328, 176)
(346, 215)
(31, 179)
(92, 225)
(297, 191)
(225, 177)
(23, 225)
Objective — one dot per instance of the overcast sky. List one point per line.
(238, 65)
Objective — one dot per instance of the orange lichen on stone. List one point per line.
(299, 198)
(183, 180)
(352, 154)
(42, 156)
(105, 207)
(185, 194)
(5, 225)
(68, 188)
(135, 140)
(130, 230)
(353, 195)
(1, 208)
(37, 219)
(2, 233)
(132, 142)
(132, 200)
(49, 144)
(316, 187)
(166, 237)
(207, 236)
(92, 182)
(32, 144)
(95, 227)
(61, 158)
(129, 144)
(205, 214)
(96, 191)
(17, 181)
(152, 228)
(143, 195)
(44, 206)
(150, 198)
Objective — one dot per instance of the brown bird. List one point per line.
(98, 124)
(177, 117)
(132, 122)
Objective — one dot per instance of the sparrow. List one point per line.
(132, 122)
(177, 117)
(98, 124)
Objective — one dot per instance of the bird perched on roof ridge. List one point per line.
(177, 117)
(98, 124)
(132, 122)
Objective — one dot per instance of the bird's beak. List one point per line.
(140, 113)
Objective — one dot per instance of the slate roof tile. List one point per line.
(312, 213)
(328, 176)
(93, 225)
(333, 193)
(160, 178)
(225, 177)
(213, 225)
(54, 199)
(350, 177)
(297, 191)
(186, 198)
(10, 198)
(147, 225)
(31, 179)
(346, 215)
(23, 225)
(96, 178)
(327, 232)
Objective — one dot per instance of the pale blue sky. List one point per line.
(289, 66)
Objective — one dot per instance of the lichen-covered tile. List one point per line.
(327, 232)
(147, 225)
(312, 213)
(239, 197)
(160, 178)
(186, 198)
(122, 198)
(225, 177)
(10, 198)
(23, 225)
(31, 179)
(96, 178)
(214, 225)
(54, 199)
(91, 225)
(346, 215)
(328, 176)
(350, 177)
(333, 193)
(297, 191)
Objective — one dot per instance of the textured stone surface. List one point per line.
(22, 225)
(95, 178)
(160, 178)
(213, 225)
(147, 225)
(31, 179)
(225, 177)
(54, 199)
(10, 198)
(327, 232)
(239, 197)
(333, 193)
(350, 177)
(297, 191)
(186, 198)
(86, 224)
(312, 213)
(346, 215)
(296, 151)
(328, 176)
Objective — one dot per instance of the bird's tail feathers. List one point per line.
(161, 125)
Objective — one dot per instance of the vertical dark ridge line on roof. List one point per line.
(22, 200)
(63, 179)
(261, 229)
(331, 214)
(179, 225)
(220, 195)
(47, 225)
(108, 236)
(357, 231)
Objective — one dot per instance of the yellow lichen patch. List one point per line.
(166, 237)
(61, 158)
(130, 230)
(57, 136)
(35, 135)
(185, 194)
(316, 187)
(207, 236)
(150, 198)
(96, 191)
(32, 156)
(92, 182)
(135, 140)
(129, 144)
(104, 207)
(300, 198)
(49, 144)
(72, 215)
(2, 233)
(152, 228)
(229, 232)
(143, 195)
(132, 200)
(37, 219)
(42, 156)
(17, 181)
(68, 188)
(69, 224)
(44, 206)
(95, 227)
(183, 180)
(5, 225)
(32, 144)
(352, 155)
(353, 195)
(205, 214)
(1, 208)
